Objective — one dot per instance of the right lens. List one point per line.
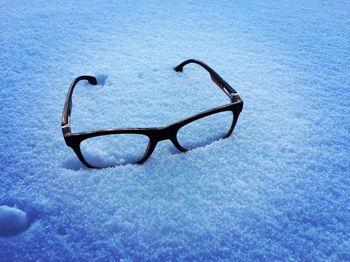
(112, 150)
(205, 130)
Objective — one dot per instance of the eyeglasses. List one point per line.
(111, 147)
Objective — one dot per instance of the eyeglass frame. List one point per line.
(155, 134)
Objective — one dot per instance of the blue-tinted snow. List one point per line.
(277, 189)
(12, 220)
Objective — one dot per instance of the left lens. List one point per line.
(115, 149)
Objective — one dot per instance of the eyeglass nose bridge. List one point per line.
(165, 133)
(168, 133)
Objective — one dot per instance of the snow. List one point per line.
(277, 189)
(12, 220)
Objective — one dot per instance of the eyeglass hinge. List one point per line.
(66, 130)
(226, 92)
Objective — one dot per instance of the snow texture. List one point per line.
(277, 189)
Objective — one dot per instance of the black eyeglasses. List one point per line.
(111, 147)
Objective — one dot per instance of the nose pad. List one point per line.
(161, 147)
(165, 147)
(177, 145)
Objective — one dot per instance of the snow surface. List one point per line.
(278, 189)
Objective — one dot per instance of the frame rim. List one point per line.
(154, 134)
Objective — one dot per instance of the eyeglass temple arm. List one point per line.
(67, 110)
(221, 83)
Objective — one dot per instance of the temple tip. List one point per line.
(92, 80)
(178, 69)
